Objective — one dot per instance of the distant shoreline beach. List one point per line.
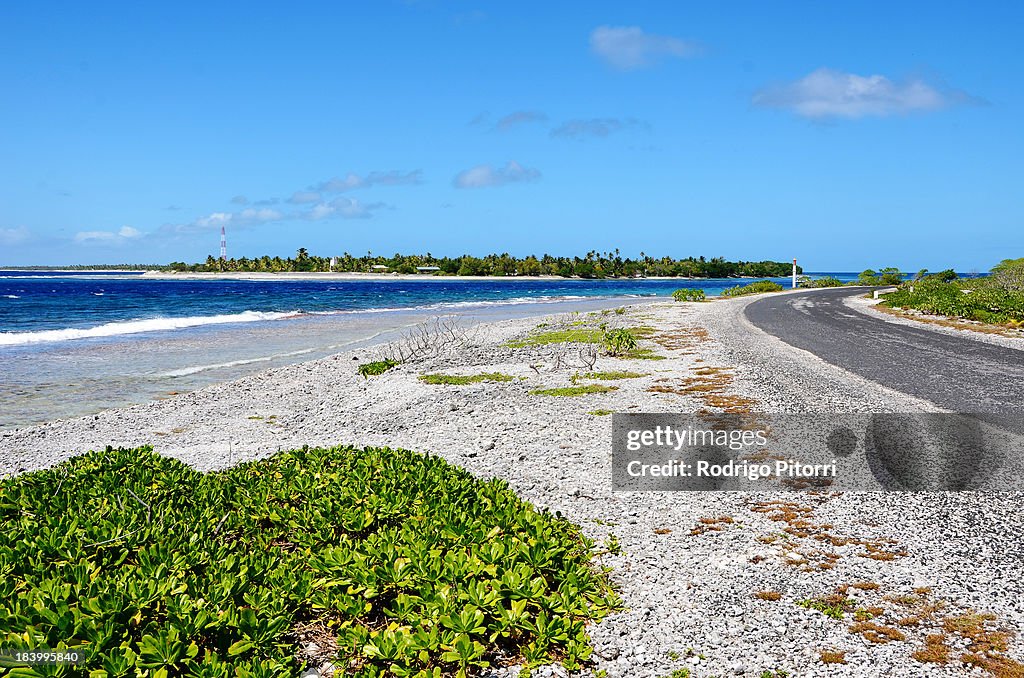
(403, 277)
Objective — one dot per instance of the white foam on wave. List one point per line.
(136, 326)
(165, 323)
(11, 296)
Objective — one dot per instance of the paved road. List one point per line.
(955, 373)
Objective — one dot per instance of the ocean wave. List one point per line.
(136, 327)
(169, 323)
(11, 296)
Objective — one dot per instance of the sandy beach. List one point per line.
(715, 582)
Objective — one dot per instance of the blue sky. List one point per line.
(847, 135)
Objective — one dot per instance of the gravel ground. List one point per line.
(689, 587)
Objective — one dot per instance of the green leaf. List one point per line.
(240, 647)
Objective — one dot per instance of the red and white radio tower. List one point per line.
(223, 245)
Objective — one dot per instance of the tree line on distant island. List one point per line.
(594, 265)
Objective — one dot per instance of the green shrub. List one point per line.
(688, 294)
(462, 380)
(413, 565)
(617, 342)
(886, 276)
(949, 275)
(368, 370)
(891, 276)
(1009, 274)
(982, 300)
(601, 412)
(815, 283)
(752, 288)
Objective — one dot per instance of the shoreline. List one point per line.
(403, 277)
(151, 363)
(682, 587)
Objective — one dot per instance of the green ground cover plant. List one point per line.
(573, 391)
(367, 370)
(578, 335)
(687, 294)
(831, 606)
(642, 353)
(757, 287)
(410, 566)
(462, 380)
(612, 376)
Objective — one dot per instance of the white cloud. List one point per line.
(627, 48)
(336, 185)
(594, 127)
(342, 208)
(354, 181)
(518, 118)
(311, 205)
(123, 235)
(304, 197)
(345, 208)
(257, 215)
(14, 236)
(250, 216)
(485, 175)
(827, 93)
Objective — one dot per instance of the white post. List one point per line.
(794, 274)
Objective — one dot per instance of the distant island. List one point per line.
(594, 265)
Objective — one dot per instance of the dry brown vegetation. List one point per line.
(682, 339)
(711, 525)
(935, 650)
(708, 383)
(876, 633)
(833, 657)
(864, 586)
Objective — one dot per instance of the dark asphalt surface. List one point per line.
(955, 373)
